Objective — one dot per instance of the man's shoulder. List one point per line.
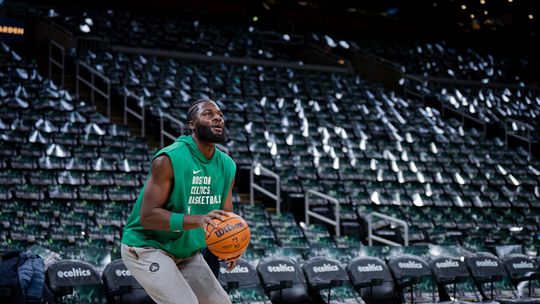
(175, 147)
(226, 158)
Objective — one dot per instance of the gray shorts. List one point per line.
(170, 280)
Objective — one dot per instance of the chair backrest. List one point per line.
(242, 283)
(490, 276)
(520, 267)
(121, 286)
(324, 273)
(453, 278)
(63, 276)
(283, 280)
(243, 275)
(329, 281)
(413, 278)
(372, 278)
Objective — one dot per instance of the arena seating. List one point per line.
(519, 109)
(190, 33)
(433, 58)
(401, 158)
(69, 176)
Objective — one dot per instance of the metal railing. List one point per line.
(138, 113)
(372, 237)
(59, 63)
(527, 137)
(336, 223)
(258, 169)
(91, 83)
(409, 87)
(163, 133)
(93, 44)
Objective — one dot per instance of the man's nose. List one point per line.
(218, 117)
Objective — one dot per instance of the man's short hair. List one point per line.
(193, 108)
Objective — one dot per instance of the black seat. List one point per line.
(242, 283)
(329, 281)
(283, 280)
(372, 278)
(492, 280)
(64, 277)
(121, 286)
(454, 280)
(523, 271)
(413, 279)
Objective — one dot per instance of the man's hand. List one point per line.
(210, 216)
(231, 263)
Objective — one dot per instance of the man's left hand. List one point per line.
(231, 263)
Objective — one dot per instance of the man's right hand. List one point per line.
(210, 216)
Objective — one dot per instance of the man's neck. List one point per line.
(206, 148)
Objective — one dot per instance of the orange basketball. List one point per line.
(230, 239)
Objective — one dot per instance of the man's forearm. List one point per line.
(193, 221)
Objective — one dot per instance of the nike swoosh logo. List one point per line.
(195, 172)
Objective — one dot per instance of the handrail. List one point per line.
(257, 169)
(337, 212)
(139, 115)
(407, 90)
(528, 138)
(163, 133)
(61, 65)
(92, 43)
(372, 237)
(464, 115)
(91, 84)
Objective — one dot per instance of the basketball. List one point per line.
(230, 239)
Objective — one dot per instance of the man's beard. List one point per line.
(205, 133)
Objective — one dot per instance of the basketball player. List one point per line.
(189, 185)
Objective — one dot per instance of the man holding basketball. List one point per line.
(189, 185)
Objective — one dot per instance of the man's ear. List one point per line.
(191, 125)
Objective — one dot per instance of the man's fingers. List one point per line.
(210, 222)
(231, 264)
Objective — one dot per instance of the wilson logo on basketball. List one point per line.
(228, 228)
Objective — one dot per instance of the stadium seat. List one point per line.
(74, 280)
(413, 278)
(454, 280)
(524, 274)
(283, 280)
(372, 278)
(242, 283)
(492, 279)
(329, 281)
